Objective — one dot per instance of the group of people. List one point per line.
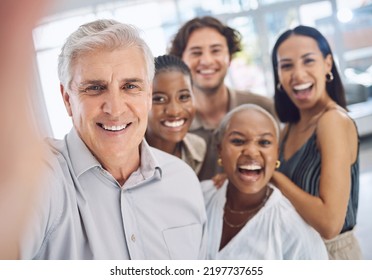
(164, 161)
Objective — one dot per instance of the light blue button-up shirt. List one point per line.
(84, 213)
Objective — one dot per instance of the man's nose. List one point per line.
(114, 103)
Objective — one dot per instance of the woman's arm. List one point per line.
(337, 141)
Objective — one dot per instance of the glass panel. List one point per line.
(58, 117)
(189, 9)
(310, 13)
(268, 2)
(279, 21)
(141, 15)
(347, 4)
(53, 34)
(246, 70)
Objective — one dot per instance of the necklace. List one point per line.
(242, 212)
(251, 212)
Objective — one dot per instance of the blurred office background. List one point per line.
(346, 24)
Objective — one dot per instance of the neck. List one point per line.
(212, 107)
(121, 167)
(310, 116)
(317, 109)
(237, 201)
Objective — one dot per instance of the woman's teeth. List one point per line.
(174, 123)
(302, 86)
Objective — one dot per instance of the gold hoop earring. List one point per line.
(329, 77)
(277, 165)
(219, 161)
(279, 87)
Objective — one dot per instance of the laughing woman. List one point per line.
(173, 111)
(319, 173)
(248, 217)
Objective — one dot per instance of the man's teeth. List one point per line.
(302, 86)
(207, 71)
(174, 123)
(250, 167)
(114, 127)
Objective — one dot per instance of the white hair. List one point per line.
(220, 131)
(101, 34)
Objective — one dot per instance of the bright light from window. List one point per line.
(345, 15)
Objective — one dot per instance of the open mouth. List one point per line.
(250, 169)
(302, 91)
(114, 128)
(174, 123)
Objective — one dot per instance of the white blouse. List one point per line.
(276, 232)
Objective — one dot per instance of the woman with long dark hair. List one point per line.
(319, 150)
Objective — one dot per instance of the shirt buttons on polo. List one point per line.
(133, 238)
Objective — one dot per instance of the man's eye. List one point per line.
(196, 53)
(95, 89)
(130, 86)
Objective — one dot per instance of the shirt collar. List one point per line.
(149, 164)
(81, 157)
(195, 151)
(232, 99)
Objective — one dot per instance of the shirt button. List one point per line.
(133, 238)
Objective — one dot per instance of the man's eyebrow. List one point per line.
(195, 48)
(90, 82)
(217, 45)
(133, 80)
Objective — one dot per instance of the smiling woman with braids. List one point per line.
(248, 218)
(172, 112)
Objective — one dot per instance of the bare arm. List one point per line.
(20, 146)
(337, 141)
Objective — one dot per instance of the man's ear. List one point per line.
(230, 59)
(150, 98)
(66, 99)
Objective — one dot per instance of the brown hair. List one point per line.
(178, 45)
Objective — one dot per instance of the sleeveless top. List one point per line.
(303, 168)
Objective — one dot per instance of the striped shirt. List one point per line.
(304, 167)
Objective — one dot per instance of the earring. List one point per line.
(329, 77)
(279, 87)
(219, 161)
(277, 165)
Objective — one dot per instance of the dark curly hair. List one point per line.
(233, 37)
(285, 108)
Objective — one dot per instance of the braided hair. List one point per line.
(166, 62)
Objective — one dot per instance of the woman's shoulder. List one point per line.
(210, 190)
(196, 142)
(336, 123)
(335, 115)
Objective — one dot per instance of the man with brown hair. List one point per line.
(207, 46)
